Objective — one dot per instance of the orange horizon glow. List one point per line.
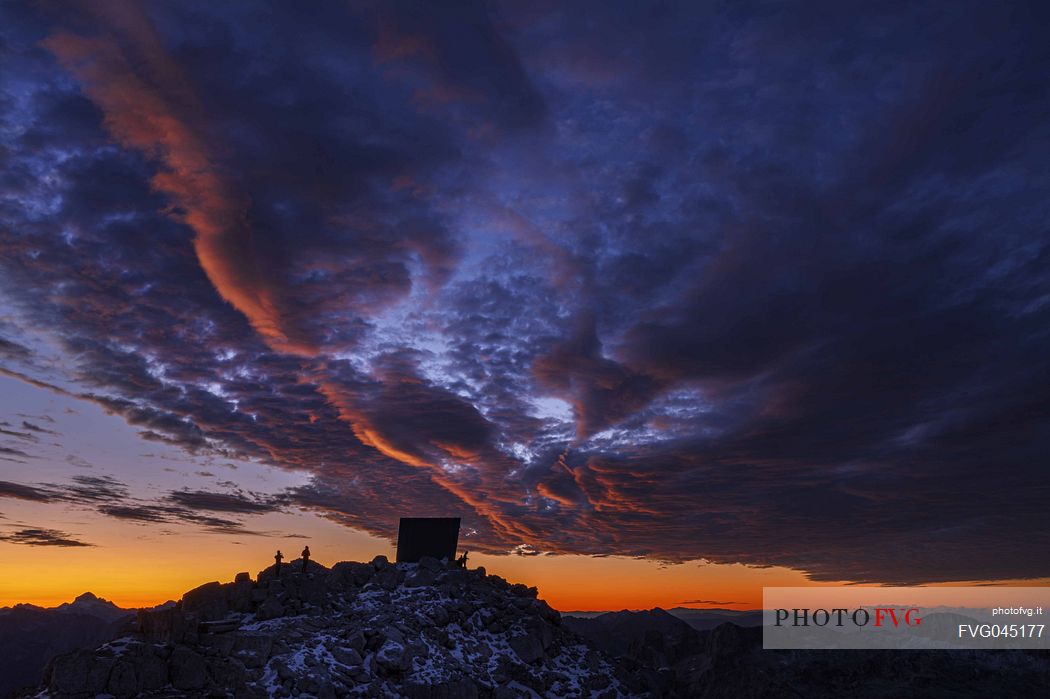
(132, 566)
(562, 581)
(135, 566)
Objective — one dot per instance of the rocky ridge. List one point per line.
(358, 629)
(30, 635)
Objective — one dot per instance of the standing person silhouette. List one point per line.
(306, 557)
(278, 557)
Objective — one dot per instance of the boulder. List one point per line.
(437, 615)
(271, 608)
(208, 601)
(527, 646)
(352, 574)
(541, 630)
(540, 608)
(392, 657)
(421, 577)
(188, 627)
(355, 639)
(218, 627)
(430, 563)
(221, 643)
(346, 656)
(226, 673)
(310, 589)
(252, 648)
(79, 672)
(152, 670)
(392, 633)
(123, 680)
(187, 669)
(453, 578)
(239, 594)
(162, 624)
(386, 578)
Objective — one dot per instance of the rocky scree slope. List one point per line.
(358, 629)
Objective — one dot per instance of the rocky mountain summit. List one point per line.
(433, 630)
(358, 629)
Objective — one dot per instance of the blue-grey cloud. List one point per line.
(744, 284)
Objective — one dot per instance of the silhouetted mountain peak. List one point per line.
(91, 604)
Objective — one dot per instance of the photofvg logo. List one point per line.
(843, 617)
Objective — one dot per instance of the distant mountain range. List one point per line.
(677, 653)
(30, 635)
(700, 619)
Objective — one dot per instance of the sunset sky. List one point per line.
(668, 301)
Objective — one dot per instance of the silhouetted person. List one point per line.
(306, 557)
(278, 557)
(462, 561)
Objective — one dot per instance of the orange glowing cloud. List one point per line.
(551, 494)
(149, 106)
(482, 494)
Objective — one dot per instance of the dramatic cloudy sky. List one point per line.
(756, 283)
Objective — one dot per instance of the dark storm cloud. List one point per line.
(41, 418)
(92, 489)
(137, 513)
(8, 451)
(751, 285)
(13, 350)
(236, 503)
(477, 67)
(41, 537)
(20, 435)
(167, 514)
(21, 491)
(26, 425)
(602, 391)
(111, 498)
(81, 490)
